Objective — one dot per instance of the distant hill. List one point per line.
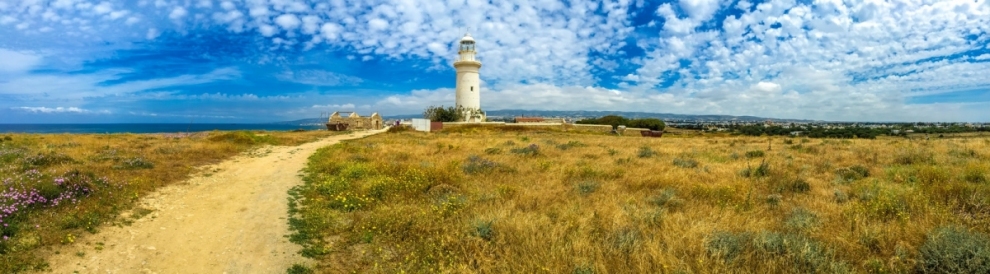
(508, 113)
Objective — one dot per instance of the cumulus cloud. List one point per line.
(178, 13)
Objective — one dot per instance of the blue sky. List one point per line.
(238, 61)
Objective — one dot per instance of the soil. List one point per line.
(230, 218)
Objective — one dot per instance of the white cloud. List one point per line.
(267, 30)
(152, 34)
(377, 24)
(288, 22)
(59, 110)
(178, 13)
(319, 78)
(16, 61)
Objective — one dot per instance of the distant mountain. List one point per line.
(509, 113)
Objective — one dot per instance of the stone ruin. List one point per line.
(353, 121)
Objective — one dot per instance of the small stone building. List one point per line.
(355, 121)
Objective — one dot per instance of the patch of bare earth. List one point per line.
(231, 218)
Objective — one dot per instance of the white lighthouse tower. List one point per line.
(468, 86)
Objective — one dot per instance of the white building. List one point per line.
(468, 87)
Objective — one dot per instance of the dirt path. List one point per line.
(230, 220)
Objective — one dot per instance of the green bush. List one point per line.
(646, 152)
(587, 187)
(530, 150)
(755, 154)
(762, 170)
(667, 198)
(685, 163)
(483, 229)
(135, 163)
(849, 174)
(954, 250)
(448, 114)
(801, 219)
(648, 123)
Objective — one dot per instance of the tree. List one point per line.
(650, 123)
(449, 114)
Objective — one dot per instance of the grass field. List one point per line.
(509, 200)
(57, 187)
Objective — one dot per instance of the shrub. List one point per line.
(841, 196)
(801, 219)
(754, 154)
(587, 187)
(483, 229)
(493, 151)
(448, 114)
(799, 186)
(51, 158)
(667, 198)
(974, 175)
(762, 170)
(685, 163)
(954, 250)
(648, 123)
(569, 145)
(773, 200)
(529, 150)
(726, 245)
(299, 269)
(913, 157)
(135, 163)
(788, 141)
(477, 165)
(646, 152)
(849, 174)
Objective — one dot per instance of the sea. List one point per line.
(146, 128)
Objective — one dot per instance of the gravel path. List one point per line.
(229, 219)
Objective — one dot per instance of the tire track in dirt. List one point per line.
(229, 219)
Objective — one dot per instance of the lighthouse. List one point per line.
(468, 86)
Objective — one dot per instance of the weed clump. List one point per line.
(530, 150)
(47, 159)
(762, 170)
(754, 154)
(974, 175)
(569, 145)
(493, 151)
(587, 187)
(646, 152)
(773, 200)
(685, 163)
(667, 199)
(476, 165)
(796, 253)
(801, 219)
(135, 163)
(954, 250)
(852, 173)
(483, 229)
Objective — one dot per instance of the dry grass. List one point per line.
(56, 186)
(519, 201)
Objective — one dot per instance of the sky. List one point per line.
(243, 61)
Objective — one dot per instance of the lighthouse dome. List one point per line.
(466, 38)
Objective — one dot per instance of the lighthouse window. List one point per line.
(472, 88)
